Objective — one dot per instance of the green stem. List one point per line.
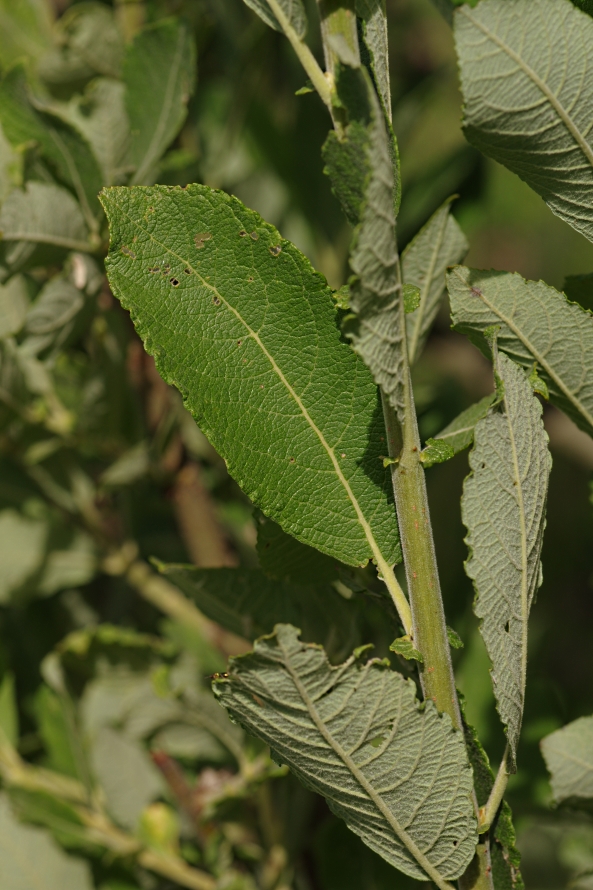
(490, 809)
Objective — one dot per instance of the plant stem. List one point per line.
(490, 809)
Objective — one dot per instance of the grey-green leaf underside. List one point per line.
(568, 753)
(527, 81)
(238, 320)
(537, 324)
(159, 69)
(44, 214)
(439, 244)
(292, 9)
(503, 509)
(395, 771)
(376, 38)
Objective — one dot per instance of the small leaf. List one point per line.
(411, 295)
(43, 214)
(440, 243)
(14, 304)
(503, 509)
(527, 96)
(376, 40)
(455, 640)
(159, 74)
(437, 451)
(22, 550)
(292, 9)
(410, 794)
(459, 434)
(405, 647)
(568, 753)
(536, 324)
(9, 715)
(538, 385)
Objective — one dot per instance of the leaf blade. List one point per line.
(44, 214)
(292, 9)
(374, 18)
(568, 756)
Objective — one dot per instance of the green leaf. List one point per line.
(9, 715)
(31, 860)
(411, 295)
(292, 9)
(403, 646)
(260, 322)
(159, 74)
(347, 165)
(25, 29)
(437, 451)
(406, 794)
(528, 98)
(43, 214)
(249, 603)
(503, 509)
(455, 640)
(439, 244)
(568, 753)
(64, 148)
(14, 304)
(375, 36)
(459, 434)
(93, 36)
(53, 721)
(537, 324)
(284, 558)
(22, 549)
(11, 167)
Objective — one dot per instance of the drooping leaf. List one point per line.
(220, 287)
(31, 860)
(25, 29)
(528, 96)
(537, 324)
(292, 9)
(459, 434)
(568, 753)
(439, 244)
(284, 558)
(374, 29)
(503, 509)
(43, 213)
(67, 152)
(249, 603)
(395, 772)
(159, 74)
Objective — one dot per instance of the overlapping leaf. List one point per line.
(568, 753)
(459, 434)
(239, 321)
(537, 325)
(44, 214)
(292, 9)
(503, 508)
(439, 244)
(396, 772)
(159, 74)
(527, 81)
(374, 26)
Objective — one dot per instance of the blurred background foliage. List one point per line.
(104, 666)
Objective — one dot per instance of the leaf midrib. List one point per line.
(534, 351)
(362, 780)
(542, 85)
(382, 563)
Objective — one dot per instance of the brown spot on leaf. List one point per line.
(126, 250)
(201, 238)
(275, 250)
(254, 236)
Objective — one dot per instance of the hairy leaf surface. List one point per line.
(292, 9)
(159, 74)
(527, 81)
(374, 28)
(537, 324)
(238, 320)
(440, 244)
(396, 772)
(568, 753)
(503, 508)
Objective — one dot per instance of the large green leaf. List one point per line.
(292, 9)
(238, 320)
(64, 148)
(394, 770)
(43, 214)
(568, 753)
(537, 325)
(528, 94)
(503, 508)
(440, 244)
(30, 860)
(159, 74)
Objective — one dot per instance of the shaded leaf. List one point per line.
(537, 324)
(159, 75)
(53, 726)
(292, 9)
(375, 36)
(440, 243)
(284, 558)
(528, 96)
(43, 214)
(93, 35)
(11, 167)
(406, 793)
(251, 392)
(9, 716)
(503, 509)
(14, 303)
(22, 549)
(568, 753)
(25, 29)
(459, 434)
(31, 860)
